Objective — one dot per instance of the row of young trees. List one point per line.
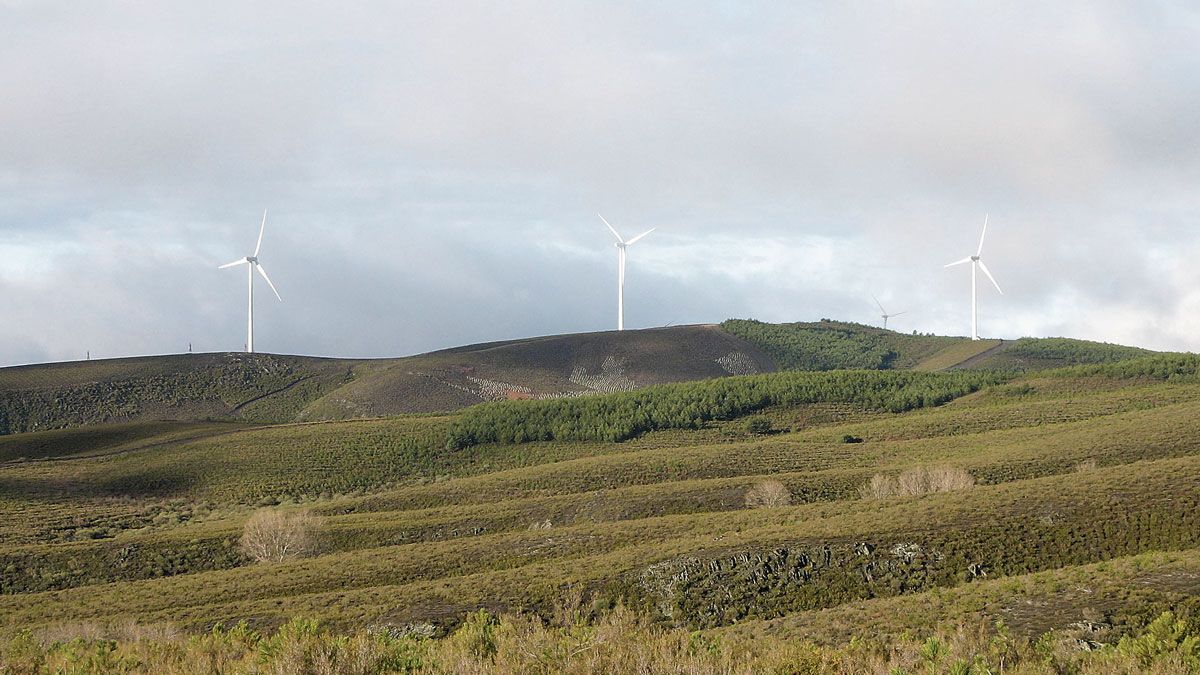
(618, 417)
(1160, 367)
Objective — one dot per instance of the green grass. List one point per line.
(955, 354)
(1074, 467)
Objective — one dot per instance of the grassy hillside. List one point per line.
(1076, 501)
(833, 345)
(265, 388)
(192, 387)
(560, 366)
(270, 388)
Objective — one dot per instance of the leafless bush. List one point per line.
(948, 479)
(918, 481)
(275, 536)
(767, 494)
(1086, 465)
(912, 482)
(878, 487)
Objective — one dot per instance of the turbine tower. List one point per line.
(976, 265)
(253, 264)
(621, 245)
(884, 313)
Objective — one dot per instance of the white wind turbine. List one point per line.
(621, 246)
(976, 265)
(252, 262)
(884, 313)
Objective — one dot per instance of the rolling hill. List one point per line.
(268, 388)
(943, 489)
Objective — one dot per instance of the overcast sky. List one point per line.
(434, 170)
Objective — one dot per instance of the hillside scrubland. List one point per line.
(1036, 519)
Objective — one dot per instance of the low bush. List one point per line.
(759, 425)
(769, 493)
(275, 536)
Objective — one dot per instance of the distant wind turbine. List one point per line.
(976, 265)
(621, 246)
(884, 313)
(252, 261)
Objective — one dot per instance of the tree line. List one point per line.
(625, 415)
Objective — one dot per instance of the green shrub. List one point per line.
(759, 425)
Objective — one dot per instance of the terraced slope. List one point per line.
(1083, 478)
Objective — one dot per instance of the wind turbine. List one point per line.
(252, 262)
(621, 246)
(884, 313)
(976, 265)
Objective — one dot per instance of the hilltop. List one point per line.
(269, 388)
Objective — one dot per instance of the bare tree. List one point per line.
(768, 493)
(275, 536)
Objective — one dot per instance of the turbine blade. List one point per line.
(241, 261)
(982, 236)
(631, 241)
(879, 304)
(264, 275)
(612, 229)
(960, 262)
(262, 228)
(900, 313)
(983, 267)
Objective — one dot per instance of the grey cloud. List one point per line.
(434, 171)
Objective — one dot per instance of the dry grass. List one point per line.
(275, 536)
(916, 482)
(768, 493)
(619, 642)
